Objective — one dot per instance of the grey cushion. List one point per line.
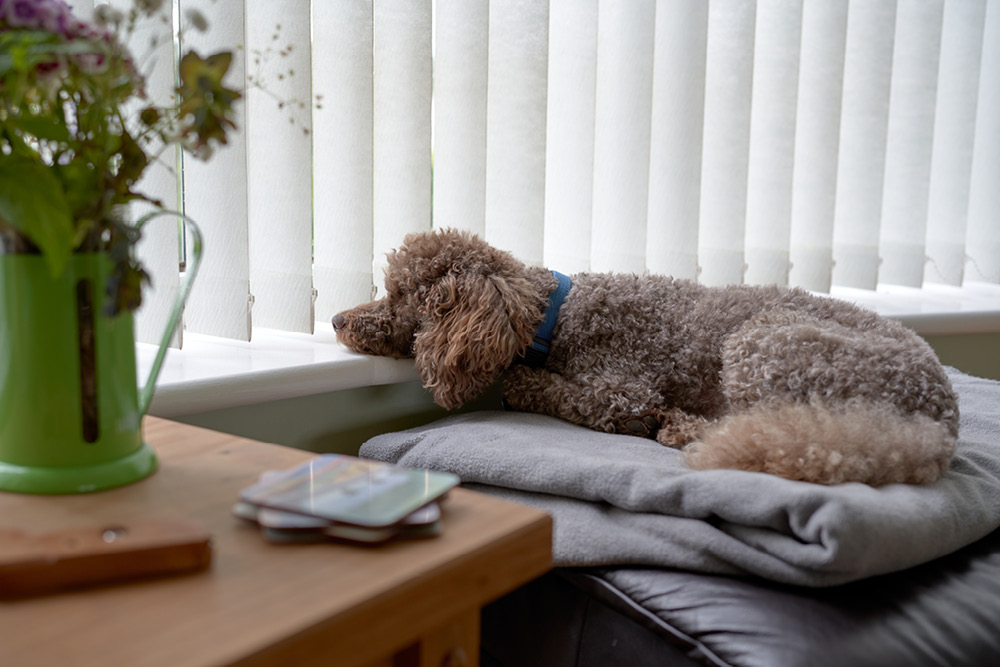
(621, 500)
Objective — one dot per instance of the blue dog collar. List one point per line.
(536, 354)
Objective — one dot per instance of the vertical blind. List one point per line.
(622, 115)
(803, 142)
(160, 249)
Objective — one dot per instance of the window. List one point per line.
(819, 143)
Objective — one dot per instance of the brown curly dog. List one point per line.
(765, 379)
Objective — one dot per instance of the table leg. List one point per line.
(453, 644)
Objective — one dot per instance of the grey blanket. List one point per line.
(618, 499)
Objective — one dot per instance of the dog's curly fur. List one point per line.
(765, 379)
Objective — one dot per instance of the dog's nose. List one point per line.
(338, 322)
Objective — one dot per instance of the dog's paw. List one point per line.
(680, 429)
(643, 426)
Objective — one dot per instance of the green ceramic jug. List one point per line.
(70, 410)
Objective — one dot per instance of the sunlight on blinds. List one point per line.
(677, 125)
(460, 67)
(401, 187)
(909, 138)
(279, 164)
(728, 86)
(569, 136)
(621, 134)
(871, 30)
(772, 140)
(817, 144)
(159, 248)
(954, 137)
(215, 193)
(983, 241)
(515, 133)
(342, 157)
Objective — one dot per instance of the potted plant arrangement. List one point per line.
(77, 132)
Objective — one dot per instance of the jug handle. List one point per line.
(146, 394)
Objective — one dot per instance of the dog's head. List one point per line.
(460, 307)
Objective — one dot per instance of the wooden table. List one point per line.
(401, 603)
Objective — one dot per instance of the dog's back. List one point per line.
(802, 386)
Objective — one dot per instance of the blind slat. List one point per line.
(159, 250)
(402, 125)
(621, 134)
(515, 134)
(678, 114)
(983, 242)
(728, 88)
(909, 140)
(817, 144)
(569, 140)
(954, 134)
(215, 193)
(279, 165)
(460, 66)
(772, 140)
(865, 115)
(342, 131)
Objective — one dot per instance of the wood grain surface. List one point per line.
(403, 602)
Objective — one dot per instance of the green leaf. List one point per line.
(32, 201)
(134, 160)
(204, 98)
(42, 127)
(21, 50)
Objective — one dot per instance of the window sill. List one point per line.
(935, 309)
(213, 373)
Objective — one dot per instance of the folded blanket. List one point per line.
(617, 499)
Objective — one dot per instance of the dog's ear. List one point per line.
(471, 332)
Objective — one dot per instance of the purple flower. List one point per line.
(26, 13)
(55, 16)
(61, 19)
(51, 15)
